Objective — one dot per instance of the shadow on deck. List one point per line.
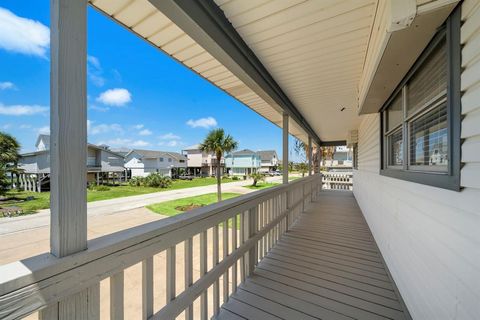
(327, 266)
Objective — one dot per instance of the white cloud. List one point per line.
(95, 71)
(171, 143)
(22, 110)
(6, 126)
(202, 123)
(6, 85)
(169, 136)
(44, 130)
(25, 126)
(115, 97)
(138, 126)
(103, 128)
(125, 143)
(23, 35)
(145, 132)
(98, 108)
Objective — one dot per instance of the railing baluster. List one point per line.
(188, 273)
(171, 273)
(242, 240)
(147, 288)
(225, 254)
(251, 230)
(216, 285)
(234, 247)
(116, 296)
(203, 270)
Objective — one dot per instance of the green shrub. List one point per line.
(156, 180)
(94, 187)
(235, 178)
(136, 181)
(257, 177)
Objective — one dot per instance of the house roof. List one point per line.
(158, 154)
(267, 155)
(244, 152)
(46, 138)
(193, 147)
(121, 151)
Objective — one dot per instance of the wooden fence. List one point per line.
(337, 180)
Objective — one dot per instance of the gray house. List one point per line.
(102, 164)
(141, 163)
(269, 160)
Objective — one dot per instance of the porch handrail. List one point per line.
(32, 284)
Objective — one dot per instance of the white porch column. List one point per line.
(309, 155)
(285, 149)
(68, 151)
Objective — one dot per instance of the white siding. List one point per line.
(428, 236)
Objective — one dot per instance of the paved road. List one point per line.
(114, 206)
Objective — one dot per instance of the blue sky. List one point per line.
(137, 96)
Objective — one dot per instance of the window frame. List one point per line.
(450, 179)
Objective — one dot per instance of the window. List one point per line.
(421, 120)
(169, 159)
(161, 159)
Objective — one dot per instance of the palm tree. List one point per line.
(218, 143)
(9, 149)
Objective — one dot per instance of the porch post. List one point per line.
(309, 155)
(285, 148)
(68, 119)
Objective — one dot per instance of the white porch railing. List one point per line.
(337, 180)
(259, 218)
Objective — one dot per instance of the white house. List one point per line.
(269, 160)
(243, 162)
(141, 163)
(201, 163)
(102, 164)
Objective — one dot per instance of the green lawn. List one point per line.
(170, 208)
(42, 200)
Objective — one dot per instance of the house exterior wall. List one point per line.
(195, 158)
(111, 162)
(38, 163)
(429, 236)
(144, 167)
(240, 163)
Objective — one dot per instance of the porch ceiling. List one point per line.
(315, 50)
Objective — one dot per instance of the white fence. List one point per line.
(258, 219)
(337, 180)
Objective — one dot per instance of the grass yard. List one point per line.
(174, 207)
(42, 200)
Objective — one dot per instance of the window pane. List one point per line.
(429, 140)
(429, 82)
(394, 112)
(395, 148)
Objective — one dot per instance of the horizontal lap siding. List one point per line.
(428, 236)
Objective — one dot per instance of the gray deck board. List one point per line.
(326, 267)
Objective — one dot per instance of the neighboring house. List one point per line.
(101, 162)
(201, 163)
(243, 162)
(141, 163)
(342, 158)
(269, 160)
(121, 151)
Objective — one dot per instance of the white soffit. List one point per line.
(315, 51)
(142, 18)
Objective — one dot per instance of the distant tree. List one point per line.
(302, 167)
(9, 154)
(327, 153)
(218, 143)
(257, 177)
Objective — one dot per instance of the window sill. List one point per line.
(433, 179)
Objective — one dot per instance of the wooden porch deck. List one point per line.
(326, 267)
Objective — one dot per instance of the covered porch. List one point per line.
(326, 266)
